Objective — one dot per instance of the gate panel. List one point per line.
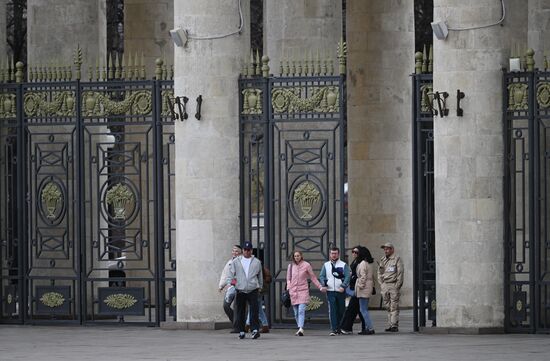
(11, 277)
(292, 141)
(423, 202)
(51, 201)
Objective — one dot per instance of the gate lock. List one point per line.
(182, 108)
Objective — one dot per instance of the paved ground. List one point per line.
(134, 343)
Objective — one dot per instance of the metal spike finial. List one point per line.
(19, 74)
(342, 53)
(77, 60)
(530, 59)
(142, 74)
(431, 59)
(265, 66)
(424, 60)
(258, 64)
(251, 64)
(130, 72)
(158, 68)
(418, 62)
(123, 66)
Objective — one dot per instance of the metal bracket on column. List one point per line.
(459, 96)
(199, 105)
(441, 98)
(182, 108)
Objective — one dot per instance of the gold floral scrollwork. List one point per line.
(9, 299)
(426, 98)
(314, 303)
(517, 99)
(306, 195)
(167, 97)
(519, 305)
(120, 301)
(119, 197)
(51, 195)
(252, 101)
(52, 299)
(62, 104)
(99, 104)
(289, 100)
(7, 105)
(543, 94)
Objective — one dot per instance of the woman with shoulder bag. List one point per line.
(299, 271)
(364, 288)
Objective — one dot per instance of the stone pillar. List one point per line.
(539, 29)
(380, 59)
(3, 39)
(292, 27)
(146, 30)
(78, 22)
(207, 154)
(468, 162)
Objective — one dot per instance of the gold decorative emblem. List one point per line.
(7, 105)
(314, 303)
(517, 99)
(433, 305)
(119, 197)
(543, 95)
(307, 195)
(38, 103)
(120, 301)
(427, 98)
(9, 299)
(519, 305)
(174, 303)
(52, 299)
(252, 101)
(51, 195)
(100, 104)
(289, 100)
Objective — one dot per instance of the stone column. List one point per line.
(207, 154)
(380, 59)
(539, 29)
(292, 27)
(468, 162)
(146, 30)
(3, 39)
(78, 22)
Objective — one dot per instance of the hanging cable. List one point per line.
(211, 37)
(484, 26)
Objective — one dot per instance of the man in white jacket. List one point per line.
(229, 290)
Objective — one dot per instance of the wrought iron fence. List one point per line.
(292, 165)
(424, 289)
(86, 228)
(526, 113)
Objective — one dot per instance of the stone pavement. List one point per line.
(138, 343)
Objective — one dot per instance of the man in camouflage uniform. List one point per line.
(390, 278)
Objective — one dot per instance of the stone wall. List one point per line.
(380, 38)
(468, 161)
(292, 28)
(146, 30)
(207, 155)
(539, 29)
(3, 41)
(78, 22)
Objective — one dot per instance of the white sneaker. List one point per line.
(300, 332)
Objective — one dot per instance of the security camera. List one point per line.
(179, 36)
(440, 30)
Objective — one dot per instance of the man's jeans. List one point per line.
(261, 313)
(336, 308)
(364, 307)
(300, 314)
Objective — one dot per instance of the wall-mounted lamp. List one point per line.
(179, 36)
(440, 30)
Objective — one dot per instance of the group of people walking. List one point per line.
(243, 279)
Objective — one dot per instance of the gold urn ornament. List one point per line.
(307, 196)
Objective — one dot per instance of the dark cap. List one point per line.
(247, 245)
(387, 245)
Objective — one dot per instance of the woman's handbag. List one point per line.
(285, 296)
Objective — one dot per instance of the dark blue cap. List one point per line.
(247, 245)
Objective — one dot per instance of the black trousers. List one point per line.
(351, 313)
(240, 318)
(229, 312)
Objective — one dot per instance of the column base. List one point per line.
(461, 330)
(211, 325)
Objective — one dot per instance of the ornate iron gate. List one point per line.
(86, 167)
(292, 134)
(526, 112)
(423, 194)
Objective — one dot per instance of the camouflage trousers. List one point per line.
(390, 295)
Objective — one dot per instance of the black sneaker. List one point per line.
(255, 334)
(388, 329)
(346, 332)
(241, 335)
(393, 329)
